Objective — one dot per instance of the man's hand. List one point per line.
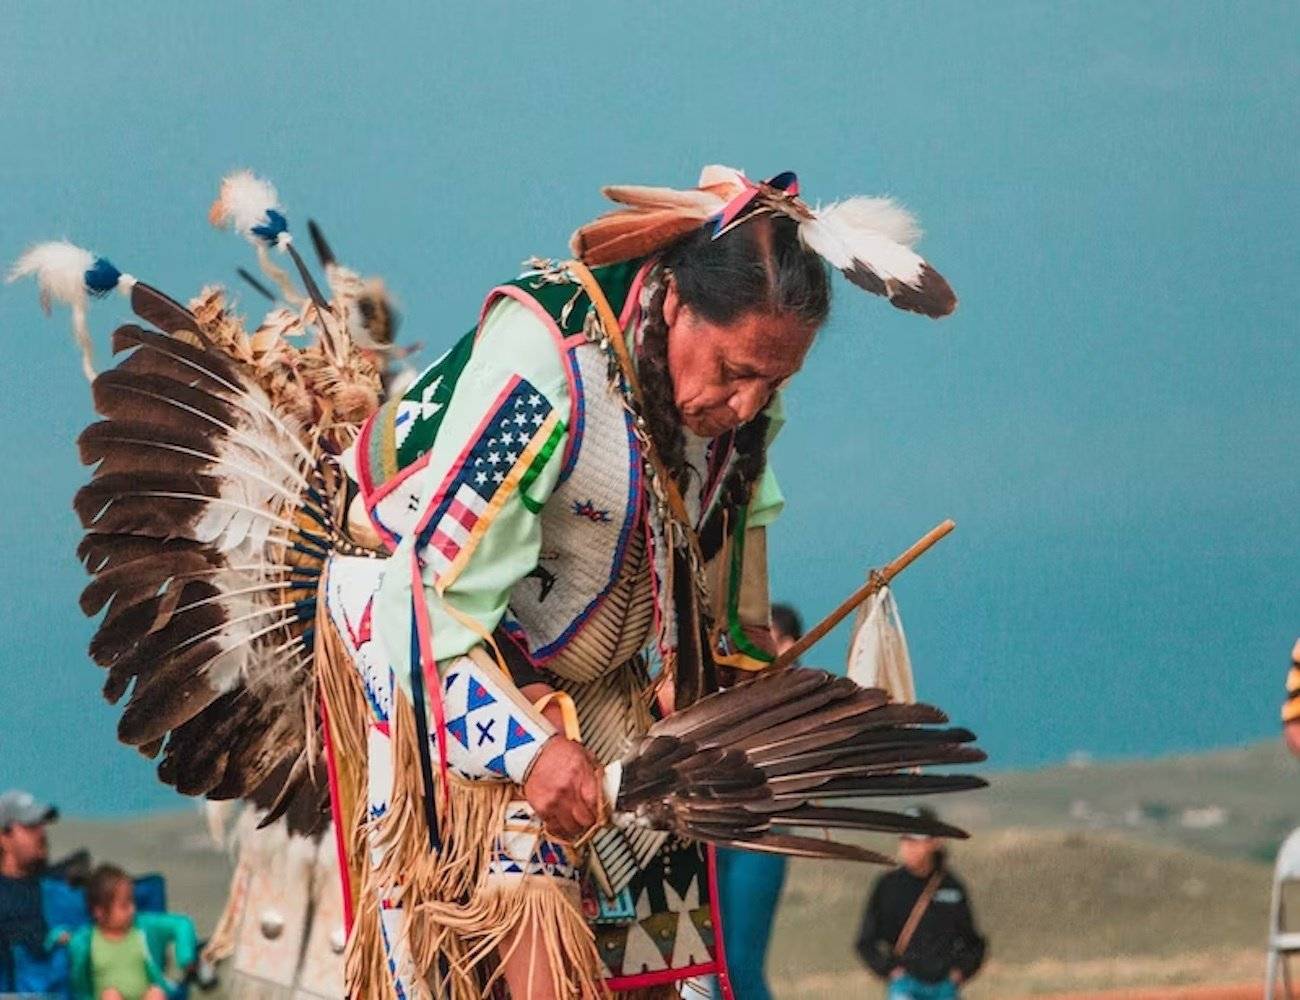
(564, 789)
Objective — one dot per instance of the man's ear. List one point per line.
(672, 303)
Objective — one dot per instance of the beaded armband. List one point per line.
(493, 733)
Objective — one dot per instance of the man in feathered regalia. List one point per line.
(509, 623)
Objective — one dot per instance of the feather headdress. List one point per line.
(869, 240)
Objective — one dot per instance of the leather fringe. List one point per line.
(456, 916)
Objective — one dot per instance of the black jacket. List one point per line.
(945, 939)
(22, 922)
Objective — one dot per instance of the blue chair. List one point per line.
(64, 906)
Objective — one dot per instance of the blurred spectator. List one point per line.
(111, 959)
(1291, 707)
(24, 854)
(749, 884)
(918, 932)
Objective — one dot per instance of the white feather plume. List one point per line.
(883, 215)
(844, 246)
(243, 201)
(59, 268)
(870, 241)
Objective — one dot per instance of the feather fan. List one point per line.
(775, 752)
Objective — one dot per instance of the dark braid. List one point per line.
(660, 409)
(746, 469)
(760, 266)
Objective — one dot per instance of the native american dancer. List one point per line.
(496, 610)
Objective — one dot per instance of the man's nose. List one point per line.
(748, 403)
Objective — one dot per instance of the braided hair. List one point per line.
(759, 266)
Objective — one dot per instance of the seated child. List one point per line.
(111, 959)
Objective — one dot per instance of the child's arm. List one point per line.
(175, 928)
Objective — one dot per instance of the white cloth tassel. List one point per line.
(81, 331)
(280, 276)
(878, 655)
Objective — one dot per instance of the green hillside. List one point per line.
(1235, 803)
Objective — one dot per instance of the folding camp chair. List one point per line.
(1281, 942)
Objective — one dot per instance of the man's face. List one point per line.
(25, 848)
(723, 376)
(917, 853)
(781, 640)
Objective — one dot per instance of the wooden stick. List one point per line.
(879, 578)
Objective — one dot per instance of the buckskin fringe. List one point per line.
(500, 908)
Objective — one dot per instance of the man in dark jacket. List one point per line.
(24, 854)
(918, 932)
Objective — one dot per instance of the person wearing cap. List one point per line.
(918, 932)
(24, 854)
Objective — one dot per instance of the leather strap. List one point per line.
(918, 911)
(568, 712)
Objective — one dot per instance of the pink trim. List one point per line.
(633, 301)
(378, 494)
(374, 499)
(526, 300)
(645, 979)
(363, 457)
(366, 482)
(336, 813)
(719, 945)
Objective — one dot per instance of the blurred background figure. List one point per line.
(116, 957)
(749, 884)
(1291, 707)
(918, 932)
(24, 856)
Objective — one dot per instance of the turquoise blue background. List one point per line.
(1110, 416)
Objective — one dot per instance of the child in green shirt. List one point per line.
(112, 960)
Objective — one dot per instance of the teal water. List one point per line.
(1111, 416)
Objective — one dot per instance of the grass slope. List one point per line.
(1061, 909)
